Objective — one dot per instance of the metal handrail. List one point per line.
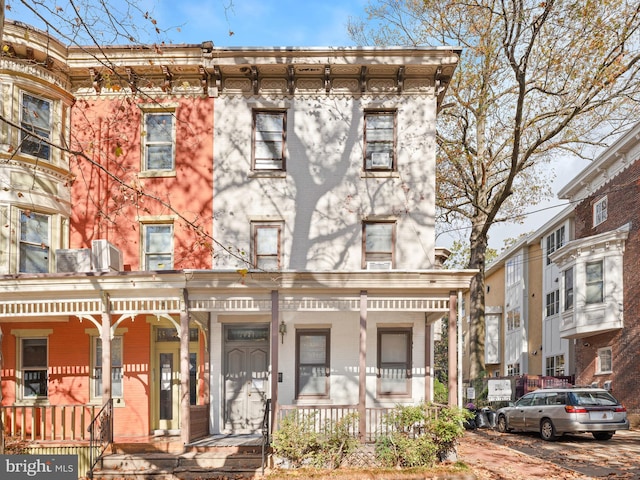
(266, 434)
(101, 434)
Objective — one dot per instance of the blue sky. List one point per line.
(263, 23)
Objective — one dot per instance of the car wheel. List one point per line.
(502, 424)
(602, 435)
(547, 430)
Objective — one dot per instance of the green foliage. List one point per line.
(298, 440)
(440, 392)
(418, 439)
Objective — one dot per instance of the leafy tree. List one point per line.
(536, 80)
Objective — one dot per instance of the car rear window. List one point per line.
(592, 398)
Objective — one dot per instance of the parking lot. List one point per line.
(528, 456)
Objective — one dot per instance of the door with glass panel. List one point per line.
(246, 377)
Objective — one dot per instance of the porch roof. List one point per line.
(165, 292)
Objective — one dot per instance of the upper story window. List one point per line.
(35, 117)
(600, 211)
(514, 270)
(604, 362)
(379, 140)
(553, 303)
(116, 367)
(594, 283)
(554, 242)
(34, 242)
(267, 242)
(313, 363)
(269, 140)
(34, 355)
(394, 362)
(513, 319)
(378, 245)
(159, 141)
(157, 246)
(568, 288)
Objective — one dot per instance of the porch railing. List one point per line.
(320, 417)
(101, 433)
(48, 423)
(266, 432)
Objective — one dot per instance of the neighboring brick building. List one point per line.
(601, 307)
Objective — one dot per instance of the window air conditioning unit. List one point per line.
(378, 265)
(74, 260)
(107, 257)
(381, 160)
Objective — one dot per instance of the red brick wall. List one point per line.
(623, 195)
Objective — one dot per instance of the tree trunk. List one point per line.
(478, 242)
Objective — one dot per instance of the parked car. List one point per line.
(556, 411)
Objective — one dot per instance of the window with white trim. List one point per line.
(157, 246)
(513, 319)
(600, 211)
(568, 288)
(313, 363)
(379, 140)
(34, 371)
(514, 270)
(35, 120)
(269, 140)
(554, 366)
(604, 362)
(159, 141)
(267, 244)
(513, 369)
(394, 362)
(378, 240)
(594, 282)
(553, 303)
(34, 251)
(554, 242)
(116, 367)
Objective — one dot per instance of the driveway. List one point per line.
(520, 456)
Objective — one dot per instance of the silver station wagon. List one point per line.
(556, 411)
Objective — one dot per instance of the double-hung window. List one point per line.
(267, 242)
(34, 242)
(600, 211)
(594, 282)
(554, 366)
(116, 367)
(568, 288)
(554, 242)
(378, 245)
(604, 363)
(34, 354)
(157, 244)
(159, 143)
(35, 120)
(269, 140)
(313, 363)
(379, 140)
(513, 319)
(394, 362)
(553, 303)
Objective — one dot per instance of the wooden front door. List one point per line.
(246, 367)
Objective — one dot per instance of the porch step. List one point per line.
(213, 464)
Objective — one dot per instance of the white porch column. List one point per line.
(105, 337)
(362, 369)
(185, 404)
(453, 350)
(428, 361)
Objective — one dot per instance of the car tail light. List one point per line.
(574, 409)
(620, 409)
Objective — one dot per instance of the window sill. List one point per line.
(32, 403)
(157, 173)
(379, 174)
(268, 174)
